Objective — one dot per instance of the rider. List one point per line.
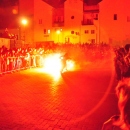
(64, 59)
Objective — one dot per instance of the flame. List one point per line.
(53, 64)
(70, 65)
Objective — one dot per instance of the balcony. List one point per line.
(58, 24)
(87, 22)
(93, 8)
(55, 3)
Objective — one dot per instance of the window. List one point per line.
(115, 16)
(62, 19)
(72, 32)
(89, 22)
(128, 18)
(92, 31)
(96, 18)
(40, 21)
(86, 31)
(77, 33)
(59, 19)
(72, 17)
(48, 31)
(45, 31)
(92, 40)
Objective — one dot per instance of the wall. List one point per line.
(42, 20)
(114, 31)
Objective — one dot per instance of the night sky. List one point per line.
(56, 3)
(6, 3)
(92, 2)
(12, 20)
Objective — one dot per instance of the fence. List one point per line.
(10, 64)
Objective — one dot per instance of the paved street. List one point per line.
(78, 100)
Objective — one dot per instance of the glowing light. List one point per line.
(58, 31)
(14, 11)
(49, 31)
(24, 21)
(70, 65)
(52, 65)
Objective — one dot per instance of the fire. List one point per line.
(53, 64)
(70, 65)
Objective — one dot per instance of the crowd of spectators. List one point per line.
(122, 62)
(121, 121)
(16, 59)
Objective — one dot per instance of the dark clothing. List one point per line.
(64, 59)
(127, 74)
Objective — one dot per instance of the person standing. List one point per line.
(121, 121)
(64, 59)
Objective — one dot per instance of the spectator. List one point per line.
(127, 60)
(121, 121)
(122, 63)
(64, 59)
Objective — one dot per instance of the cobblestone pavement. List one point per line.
(34, 100)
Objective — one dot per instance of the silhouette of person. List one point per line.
(121, 121)
(64, 59)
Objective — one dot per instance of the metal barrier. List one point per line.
(14, 64)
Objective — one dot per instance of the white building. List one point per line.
(71, 22)
(114, 22)
(75, 22)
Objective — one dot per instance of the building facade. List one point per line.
(114, 22)
(73, 21)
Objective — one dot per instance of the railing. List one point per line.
(58, 24)
(94, 8)
(87, 22)
(13, 64)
